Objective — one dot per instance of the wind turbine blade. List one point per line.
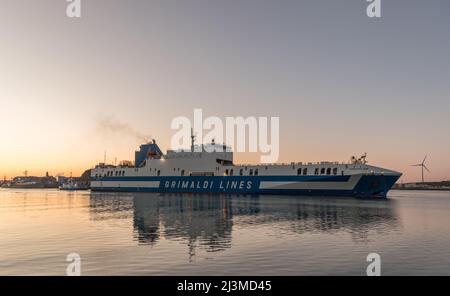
(425, 158)
(417, 165)
(426, 168)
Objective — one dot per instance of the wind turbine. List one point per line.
(423, 166)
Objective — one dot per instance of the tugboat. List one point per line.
(72, 185)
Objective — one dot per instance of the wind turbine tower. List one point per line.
(423, 166)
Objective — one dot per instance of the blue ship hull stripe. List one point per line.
(355, 185)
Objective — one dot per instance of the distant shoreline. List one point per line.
(422, 189)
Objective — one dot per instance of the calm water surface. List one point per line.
(151, 234)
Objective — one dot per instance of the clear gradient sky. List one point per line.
(341, 83)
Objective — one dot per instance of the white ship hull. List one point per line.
(214, 172)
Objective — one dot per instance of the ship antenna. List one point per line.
(192, 140)
(363, 158)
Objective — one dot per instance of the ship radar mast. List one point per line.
(361, 160)
(363, 157)
(192, 140)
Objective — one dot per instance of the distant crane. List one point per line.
(423, 166)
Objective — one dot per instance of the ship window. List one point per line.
(256, 172)
(305, 171)
(322, 171)
(159, 173)
(316, 171)
(299, 171)
(241, 172)
(335, 171)
(267, 168)
(342, 173)
(251, 172)
(231, 172)
(328, 171)
(182, 172)
(226, 172)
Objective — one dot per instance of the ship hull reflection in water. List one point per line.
(208, 221)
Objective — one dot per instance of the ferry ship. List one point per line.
(199, 170)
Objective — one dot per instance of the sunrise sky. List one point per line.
(341, 83)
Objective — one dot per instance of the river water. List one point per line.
(152, 234)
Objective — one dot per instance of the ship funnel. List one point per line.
(150, 150)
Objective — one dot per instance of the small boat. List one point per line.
(72, 186)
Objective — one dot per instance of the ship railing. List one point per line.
(293, 164)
